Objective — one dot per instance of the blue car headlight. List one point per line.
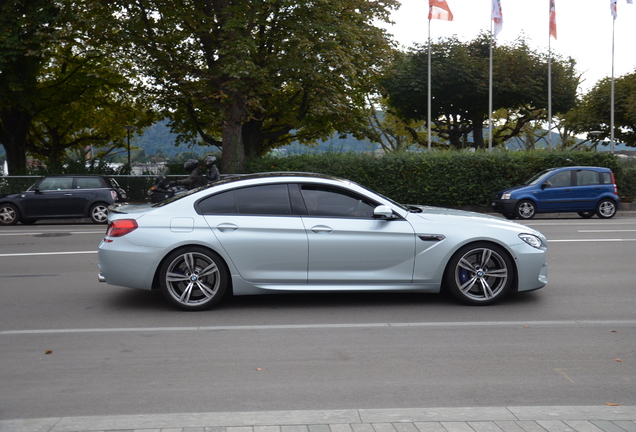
(506, 196)
(532, 240)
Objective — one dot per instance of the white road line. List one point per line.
(604, 231)
(50, 232)
(590, 240)
(605, 323)
(47, 253)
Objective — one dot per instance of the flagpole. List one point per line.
(549, 91)
(428, 123)
(490, 90)
(612, 94)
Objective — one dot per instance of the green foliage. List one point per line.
(459, 87)
(450, 179)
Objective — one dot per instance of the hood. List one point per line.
(453, 216)
(510, 190)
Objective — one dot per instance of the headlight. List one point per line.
(532, 240)
(505, 196)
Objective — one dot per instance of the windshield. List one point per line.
(538, 178)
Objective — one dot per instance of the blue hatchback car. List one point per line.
(585, 190)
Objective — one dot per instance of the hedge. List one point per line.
(450, 179)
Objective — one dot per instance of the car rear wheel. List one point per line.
(606, 209)
(193, 279)
(586, 214)
(525, 210)
(480, 274)
(99, 213)
(8, 214)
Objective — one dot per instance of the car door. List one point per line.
(257, 230)
(347, 245)
(51, 197)
(588, 189)
(556, 192)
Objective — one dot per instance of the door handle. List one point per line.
(321, 229)
(227, 227)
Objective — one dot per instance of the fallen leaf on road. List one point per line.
(611, 404)
(48, 352)
(259, 369)
(618, 360)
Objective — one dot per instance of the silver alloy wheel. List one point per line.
(606, 209)
(8, 214)
(525, 210)
(193, 280)
(99, 213)
(480, 275)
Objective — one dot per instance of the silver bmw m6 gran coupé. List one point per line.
(298, 232)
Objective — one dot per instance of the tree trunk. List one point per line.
(14, 125)
(233, 151)
(478, 133)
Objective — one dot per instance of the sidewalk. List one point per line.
(480, 419)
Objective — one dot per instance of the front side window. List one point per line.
(254, 200)
(56, 183)
(332, 202)
(561, 179)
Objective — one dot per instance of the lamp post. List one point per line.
(128, 129)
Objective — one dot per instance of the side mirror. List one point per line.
(382, 212)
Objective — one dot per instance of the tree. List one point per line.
(27, 28)
(249, 76)
(460, 80)
(594, 111)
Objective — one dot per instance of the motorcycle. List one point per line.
(162, 189)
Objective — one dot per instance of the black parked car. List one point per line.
(60, 197)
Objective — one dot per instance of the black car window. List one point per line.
(606, 178)
(255, 200)
(56, 183)
(560, 179)
(333, 202)
(586, 177)
(88, 183)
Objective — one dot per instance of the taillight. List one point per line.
(121, 227)
(614, 183)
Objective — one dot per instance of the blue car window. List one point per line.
(560, 179)
(586, 177)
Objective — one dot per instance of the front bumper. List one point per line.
(503, 206)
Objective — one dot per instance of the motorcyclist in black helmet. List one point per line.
(213, 172)
(196, 178)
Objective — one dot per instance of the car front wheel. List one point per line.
(606, 209)
(525, 210)
(479, 274)
(8, 214)
(99, 213)
(193, 278)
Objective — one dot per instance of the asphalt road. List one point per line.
(70, 346)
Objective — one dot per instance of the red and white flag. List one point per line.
(553, 31)
(438, 9)
(497, 16)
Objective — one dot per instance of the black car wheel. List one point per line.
(99, 213)
(606, 209)
(586, 214)
(9, 214)
(193, 279)
(479, 274)
(525, 210)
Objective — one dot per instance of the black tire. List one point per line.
(606, 209)
(586, 214)
(193, 278)
(9, 214)
(525, 210)
(479, 274)
(99, 213)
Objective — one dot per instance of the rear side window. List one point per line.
(606, 177)
(88, 183)
(266, 200)
(586, 177)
